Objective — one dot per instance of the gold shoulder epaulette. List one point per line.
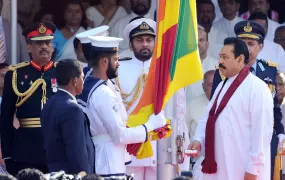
(54, 64)
(270, 63)
(17, 66)
(217, 66)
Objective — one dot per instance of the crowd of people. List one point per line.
(81, 73)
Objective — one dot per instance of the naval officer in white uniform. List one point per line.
(106, 113)
(132, 74)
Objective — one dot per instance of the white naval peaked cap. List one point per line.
(99, 31)
(140, 27)
(105, 43)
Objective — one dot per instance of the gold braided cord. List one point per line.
(24, 96)
(136, 91)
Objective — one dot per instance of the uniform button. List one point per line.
(154, 162)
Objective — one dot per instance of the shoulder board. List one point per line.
(217, 66)
(54, 64)
(269, 63)
(125, 59)
(17, 66)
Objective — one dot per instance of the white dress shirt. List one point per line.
(272, 51)
(95, 16)
(220, 30)
(243, 131)
(272, 26)
(196, 89)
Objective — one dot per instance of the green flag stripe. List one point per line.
(185, 39)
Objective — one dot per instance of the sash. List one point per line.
(90, 85)
(67, 51)
(209, 165)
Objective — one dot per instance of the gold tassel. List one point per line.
(277, 167)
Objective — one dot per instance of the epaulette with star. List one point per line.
(17, 66)
(269, 63)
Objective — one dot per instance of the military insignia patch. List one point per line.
(54, 85)
(267, 79)
(42, 29)
(247, 28)
(144, 26)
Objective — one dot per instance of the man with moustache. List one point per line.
(253, 34)
(206, 14)
(139, 8)
(106, 112)
(140, 33)
(27, 87)
(237, 127)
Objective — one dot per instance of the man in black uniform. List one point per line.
(253, 34)
(27, 87)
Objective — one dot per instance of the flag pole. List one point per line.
(166, 148)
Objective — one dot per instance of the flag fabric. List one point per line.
(175, 64)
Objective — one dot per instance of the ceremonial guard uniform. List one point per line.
(266, 71)
(27, 87)
(107, 116)
(131, 80)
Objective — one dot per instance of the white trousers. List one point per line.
(142, 173)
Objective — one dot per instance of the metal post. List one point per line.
(14, 31)
(166, 148)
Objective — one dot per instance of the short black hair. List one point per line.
(240, 48)
(3, 65)
(280, 28)
(92, 177)
(76, 42)
(200, 2)
(258, 15)
(95, 57)
(66, 70)
(30, 174)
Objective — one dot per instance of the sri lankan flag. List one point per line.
(175, 64)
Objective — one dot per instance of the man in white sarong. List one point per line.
(237, 128)
(106, 112)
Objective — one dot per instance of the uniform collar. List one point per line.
(139, 61)
(73, 97)
(45, 68)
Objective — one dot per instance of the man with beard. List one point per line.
(206, 14)
(253, 34)
(139, 8)
(106, 112)
(27, 87)
(141, 35)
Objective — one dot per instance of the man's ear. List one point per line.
(131, 46)
(241, 58)
(29, 46)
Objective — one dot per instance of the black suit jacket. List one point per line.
(67, 141)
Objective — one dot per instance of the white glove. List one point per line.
(155, 121)
(281, 139)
